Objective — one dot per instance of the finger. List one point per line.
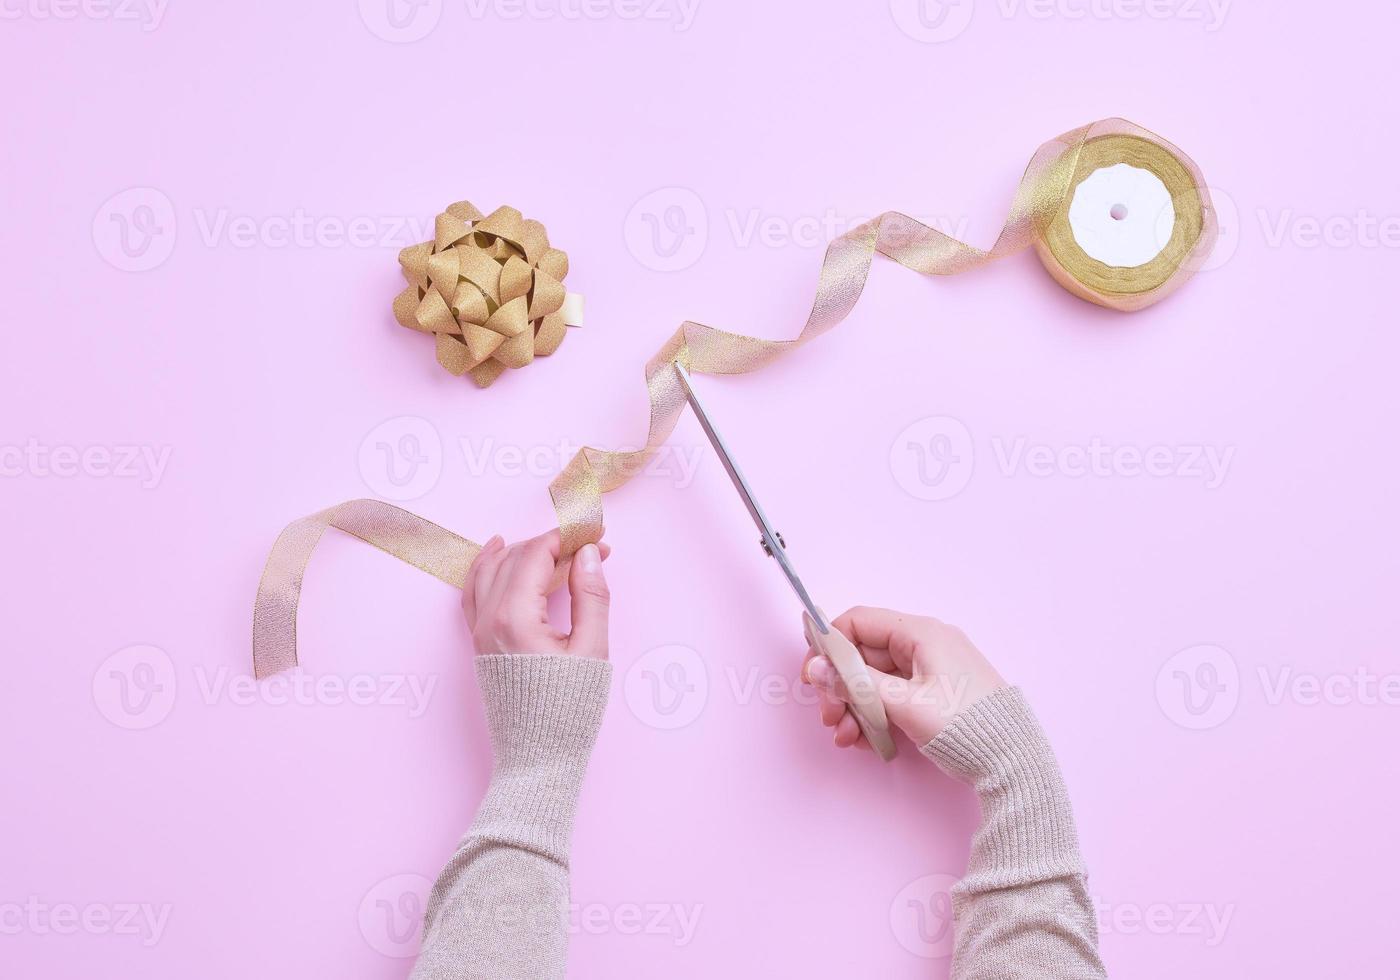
(538, 557)
(847, 732)
(589, 603)
(896, 694)
(819, 672)
(832, 708)
(542, 552)
(815, 670)
(893, 690)
(869, 625)
(878, 657)
(487, 564)
(483, 572)
(836, 715)
(502, 583)
(469, 586)
(604, 550)
(873, 629)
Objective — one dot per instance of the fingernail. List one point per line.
(819, 672)
(495, 542)
(588, 558)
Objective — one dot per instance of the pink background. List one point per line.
(1256, 838)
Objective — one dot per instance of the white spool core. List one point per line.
(1122, 215)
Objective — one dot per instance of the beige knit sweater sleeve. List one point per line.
(499, 910)
(1023, 910)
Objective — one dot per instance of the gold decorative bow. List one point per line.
(491, 289)
(1038, 217)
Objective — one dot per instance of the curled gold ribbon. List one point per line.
(1038, 217)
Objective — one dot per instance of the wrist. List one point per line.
(998, 746)
(993, 739)
(542, 708)
(543, 712)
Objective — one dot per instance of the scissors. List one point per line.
(865, 701)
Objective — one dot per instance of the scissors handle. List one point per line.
(865, 703)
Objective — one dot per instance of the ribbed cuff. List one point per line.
(543, 711)
(1027, 831)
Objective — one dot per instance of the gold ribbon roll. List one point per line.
(1124, 256)
(1184, 242)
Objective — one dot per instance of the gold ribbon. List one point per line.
(1038, 217)
(490, 288)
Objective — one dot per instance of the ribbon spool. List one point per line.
(1118, 216)
(1135, 224)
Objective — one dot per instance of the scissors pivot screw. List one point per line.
(763, 542)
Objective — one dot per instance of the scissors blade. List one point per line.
(771, 539)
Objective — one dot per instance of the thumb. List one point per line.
(588, 592)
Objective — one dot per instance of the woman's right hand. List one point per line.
(924, 670)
